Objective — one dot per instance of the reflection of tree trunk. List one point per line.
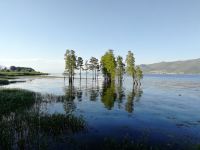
(92, 74)
(86, 74)
(95, 74)
(130, 101)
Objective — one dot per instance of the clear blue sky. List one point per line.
(36, 33)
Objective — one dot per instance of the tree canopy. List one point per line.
(130, 64)
(120, 69)
(70, 63)
(108, 65)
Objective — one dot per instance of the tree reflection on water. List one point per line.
(112, 93)
(26, 122)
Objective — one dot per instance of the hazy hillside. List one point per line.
(180, 67)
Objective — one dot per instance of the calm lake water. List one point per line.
(164, 111)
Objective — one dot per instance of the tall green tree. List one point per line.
(70, 64)
(80, 64)
(130, 65)
(120, 70)
(108, 65)
(139, 74)
(93, 66)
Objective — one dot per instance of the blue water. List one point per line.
(165, 109)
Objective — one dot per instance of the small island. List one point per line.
(13, 72)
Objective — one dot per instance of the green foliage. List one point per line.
(70, 63)
(79, 62)
(21, 69)
(130, 61)
(120, 70)
(139, 73)
(108, 65)
(93, 63)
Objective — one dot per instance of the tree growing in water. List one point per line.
(70, 64)
(130, 65)
(120, 70)
(93, 66)
(108, 65)
(80, 64)
(139, 74)
(86, 68)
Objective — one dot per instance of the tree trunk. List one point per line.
(93, 74)
(80, 73)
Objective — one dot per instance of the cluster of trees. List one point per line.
(110, 66)
(16, 69)
(72, 63)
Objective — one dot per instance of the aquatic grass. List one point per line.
(15, 99)
(30, 129)
(23, 126)
(57, 124)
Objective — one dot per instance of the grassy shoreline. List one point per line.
(6, 76)
(13, 74)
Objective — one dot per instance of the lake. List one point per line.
(163, 113)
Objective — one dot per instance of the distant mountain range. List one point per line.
(177, 67)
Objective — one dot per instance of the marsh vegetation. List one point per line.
(24, 126)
